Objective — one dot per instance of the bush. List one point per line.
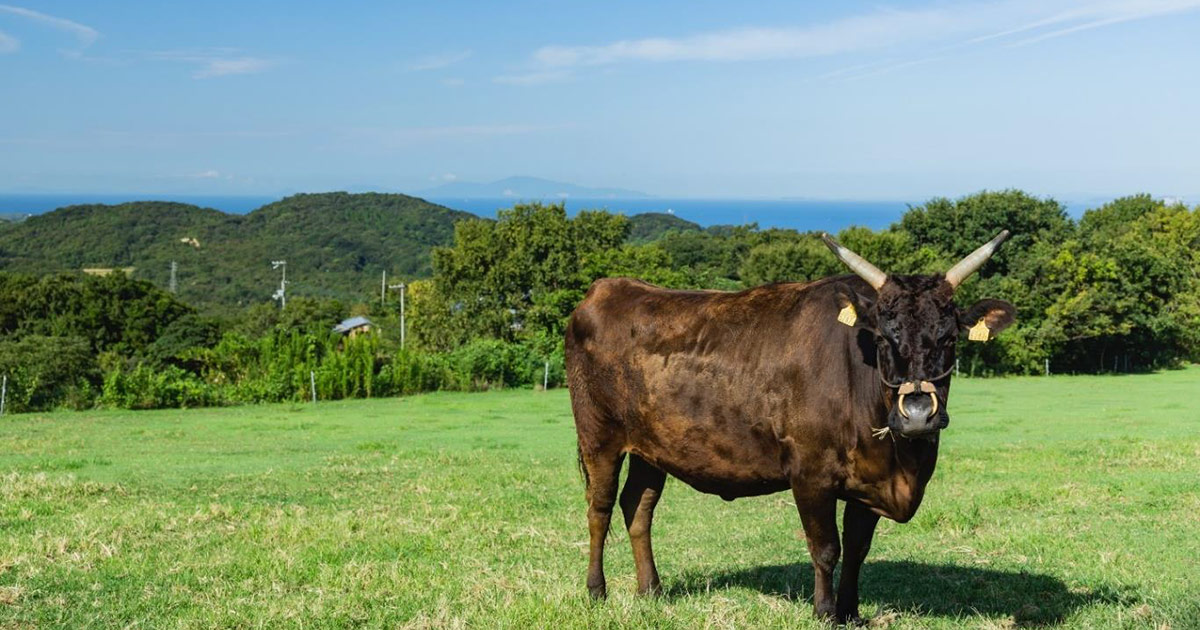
(47, 372)
(149, 387)
(485, 363)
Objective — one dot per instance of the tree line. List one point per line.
(1116, 290)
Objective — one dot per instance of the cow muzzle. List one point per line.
(917, 410)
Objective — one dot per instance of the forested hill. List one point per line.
(336, 244)
(650, 226)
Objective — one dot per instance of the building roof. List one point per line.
(350, 324)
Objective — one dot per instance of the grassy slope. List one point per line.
(1071, 500)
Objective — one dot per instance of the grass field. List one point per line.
(1070, 501)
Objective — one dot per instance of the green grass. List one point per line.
(1070, 501)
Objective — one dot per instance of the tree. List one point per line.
(519, 275)
(958, 227)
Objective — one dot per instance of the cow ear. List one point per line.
(986, 319)
(854, 309)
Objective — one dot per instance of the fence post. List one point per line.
(956, 362)
(3, 394)
(1047, 367)
(312, 379)
(546, 377)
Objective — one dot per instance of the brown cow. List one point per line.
(781, 386)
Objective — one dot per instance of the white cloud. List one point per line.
(453, 82)
(435, 62)
(85, 35)
(216, 62)
(209, 174)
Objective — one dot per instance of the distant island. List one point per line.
(518, 188)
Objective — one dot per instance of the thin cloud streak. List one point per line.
(85, 34)
(226, 67)
(532, 78)
(468, 131)
(216, 62)
(1096, 15)
(880, 30)
(437, 62)
(874, 31)
(850, 75)
(406, 136)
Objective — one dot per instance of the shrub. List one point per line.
(46, 372)
(149, 387)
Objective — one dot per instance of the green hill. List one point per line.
(336, 244)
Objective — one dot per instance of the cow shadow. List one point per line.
(942, 590)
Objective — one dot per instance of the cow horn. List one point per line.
(856, 263)
(974, 260)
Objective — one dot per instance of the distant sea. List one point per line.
(800, 214)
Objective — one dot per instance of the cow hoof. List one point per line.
(851, 619)
(598, 593)
(654, 590)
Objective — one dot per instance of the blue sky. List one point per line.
(853, 100)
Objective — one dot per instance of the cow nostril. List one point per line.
(923, 407)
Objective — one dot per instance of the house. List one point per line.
(354, 326)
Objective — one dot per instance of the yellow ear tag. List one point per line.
(980, 331)
(848, 315)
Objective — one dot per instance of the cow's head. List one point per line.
(916, 324)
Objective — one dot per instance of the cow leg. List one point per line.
(603, 472)
(818, 514)
(858, 527)
(642, 489)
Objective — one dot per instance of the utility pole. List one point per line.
(172, 285)
(402, 288)
(281, 294)
(383, 289)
